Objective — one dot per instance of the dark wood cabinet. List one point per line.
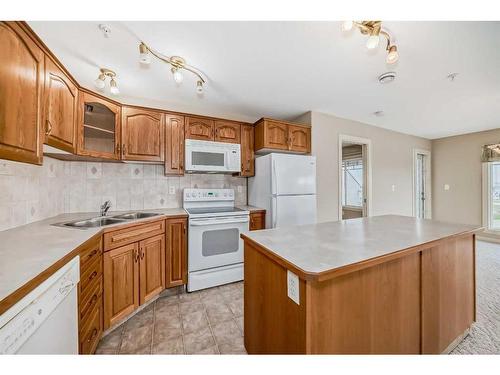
(152, 267)
(142, 135)
(281, 135)
(247, 153)
(98, 127)
(174, 145)
(176, 259)
(60, 109)
(258, 220)
(199, 128)
(21, 91)
(227, 131)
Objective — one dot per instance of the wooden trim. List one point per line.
(262, 119)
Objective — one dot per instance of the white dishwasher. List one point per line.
(46, 320)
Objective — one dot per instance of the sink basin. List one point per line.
(135, 215)
(92, 223)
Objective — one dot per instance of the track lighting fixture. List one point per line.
(100, 82)
(374, 29)
(178, 65)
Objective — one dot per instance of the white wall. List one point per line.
(29, 193)
(392, 164)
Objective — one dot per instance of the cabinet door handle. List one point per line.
(118, 148)
(124, 149)
(49, 127)
(94, 333)
(94, 274)
(92, 300)
(136, 256)
(142, 253)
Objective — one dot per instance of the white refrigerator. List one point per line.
(285, 185)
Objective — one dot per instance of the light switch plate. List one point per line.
(446, 187)
(171, 190)
(293, 287)
(393, 187)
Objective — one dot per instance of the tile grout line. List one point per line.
(153, 329)
(182, 327)
(121, 338)
(210, 326)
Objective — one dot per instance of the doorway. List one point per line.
(421, 184)
(354, 177)
(491, 196)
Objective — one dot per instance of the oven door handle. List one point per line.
(215, 222)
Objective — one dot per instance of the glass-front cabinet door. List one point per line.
(99, 127)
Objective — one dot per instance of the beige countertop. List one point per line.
(325, 247)
(250, 208)
(29, 250)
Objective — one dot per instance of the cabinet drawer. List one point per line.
(89, 253)
(90, 273)
(91, 332)
(257, 220)
(131, 234)
(89, 300)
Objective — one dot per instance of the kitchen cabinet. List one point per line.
(258, 220)
(227, 131)
(60, 109)
(176, 259)
(142, 135)
(247, 153)
(274, 135)
(98, 127)
(21, 91)
(152, 267)
(174, 145)
(199, 128)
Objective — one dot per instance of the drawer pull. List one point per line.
(92, 300)
(94, 252)
(94, 333)
(94, 274)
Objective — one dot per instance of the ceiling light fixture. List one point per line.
(374, 29)
(100, 82)
(177, 63)
(387, 77)
(451, 77)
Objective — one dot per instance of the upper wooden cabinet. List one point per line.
(199, 128)
(247, 153)
(98, 127)
(174, 145)
(21, 90)
(142, 135)
(281, 135)
(176, 254)
(227, 131)
(60, 110)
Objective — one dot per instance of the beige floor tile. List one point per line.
(169, 300)
(190, 307)
(194, 321)
(241, 325)
(166, 312)
(234, 346)
(141, 319)
(136, 340)
(236, 307)
(189, 297)
(167, 329)
(214, 299)
(110, 344)
(211, 350)
(218, 313)
(198, 341)
(169, 346)
(226, 332)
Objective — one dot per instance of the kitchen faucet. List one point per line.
(105, 207)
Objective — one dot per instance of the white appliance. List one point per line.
(207, 156)
(46, 320)
(285, 185)
(215, 249)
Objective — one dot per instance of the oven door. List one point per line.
(215, 241)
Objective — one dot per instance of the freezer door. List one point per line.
(293, 174)
(293, 210)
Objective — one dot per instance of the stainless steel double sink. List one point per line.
(102, 221)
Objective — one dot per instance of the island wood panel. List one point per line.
(142, 135)
(61, 108)
(174, 145)
(21, 106)
(176, 254)
(448, 292)
(121, 283)
(374, 310)
(273, 323)
(199, 128)
(152, 267)
(227, 131)
(258, 220)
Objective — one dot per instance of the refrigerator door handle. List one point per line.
(275, 178)
(274, 205)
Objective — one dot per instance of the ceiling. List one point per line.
(283, 69)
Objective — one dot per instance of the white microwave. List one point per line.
(207, 156)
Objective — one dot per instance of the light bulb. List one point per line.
(100, 82)
(372, 41)
(144, 57)
(393, 55)
(113, 88)
(199, 87)
(347, 25)
(178, 77)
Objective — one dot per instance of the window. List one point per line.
(352, 180)
(494, 196)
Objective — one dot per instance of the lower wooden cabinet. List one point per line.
(176, 265)
(151, 267)
(258, 220)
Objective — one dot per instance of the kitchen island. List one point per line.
(384, 284)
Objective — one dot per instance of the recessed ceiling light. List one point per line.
(387, 77)
(106, 30)
(451, 77)
(378, 113)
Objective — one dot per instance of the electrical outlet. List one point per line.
(293, 287)
(171, 190)
(446, 187)
(240, 189)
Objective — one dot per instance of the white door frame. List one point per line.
(428, 183)
(367, 156)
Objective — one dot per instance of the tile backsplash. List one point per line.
(29, 193)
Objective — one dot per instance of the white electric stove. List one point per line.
(215, 249)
